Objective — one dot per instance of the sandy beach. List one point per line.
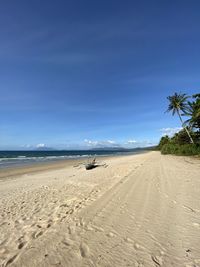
(138, 210)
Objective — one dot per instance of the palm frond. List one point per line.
(177, 102)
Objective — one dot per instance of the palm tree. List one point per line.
(178, 103)
(194, 113)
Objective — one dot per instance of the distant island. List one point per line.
(45, 149)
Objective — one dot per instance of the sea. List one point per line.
(9, 159)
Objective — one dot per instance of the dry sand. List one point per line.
(141, 210)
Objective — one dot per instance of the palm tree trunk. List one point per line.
(191, 140)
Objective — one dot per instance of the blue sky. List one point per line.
(77, 74)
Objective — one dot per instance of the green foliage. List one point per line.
(182, 137)
(180, 144)
(194, 113)
(164, 140)
(184, 150)
(187, 141)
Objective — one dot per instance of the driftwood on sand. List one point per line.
(91, 165)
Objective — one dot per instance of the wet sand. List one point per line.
(37, 167)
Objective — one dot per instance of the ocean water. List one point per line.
(22, 158)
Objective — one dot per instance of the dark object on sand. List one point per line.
(91, 165)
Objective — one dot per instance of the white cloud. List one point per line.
(103, 143)
(26, 146)
(170, 131)
(90, 142)
(131, 141)
(40, 145)
(110, 142)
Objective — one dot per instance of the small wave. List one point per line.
(25, 158)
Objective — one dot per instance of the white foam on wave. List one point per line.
(20, 160)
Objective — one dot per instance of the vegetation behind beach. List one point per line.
(187, 140)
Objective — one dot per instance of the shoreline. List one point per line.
(38, 167)
(15, 159)
(35, 168)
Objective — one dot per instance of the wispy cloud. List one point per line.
(34, 146)
(90, 142)
(27, 146)
(40, 145)
(170, 131)
(103, 143)
(131, 141)
(111, 142)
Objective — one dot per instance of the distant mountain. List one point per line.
(45, 149)
(122, 148)
(113, 149)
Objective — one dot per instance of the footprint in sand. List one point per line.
(82, 223)
(65, 205)
(67, 242)
(10, 260)
(84, 249)
(71, 211)
(48, 225)
(37, 234)
(21, 245)
(72, 229)
(110, 234)
(157, 260)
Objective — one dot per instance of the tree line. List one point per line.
(187, 140)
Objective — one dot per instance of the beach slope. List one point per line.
(141, 210)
